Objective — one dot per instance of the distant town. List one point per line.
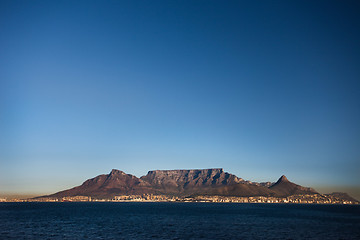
(294, 199)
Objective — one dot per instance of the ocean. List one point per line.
(131, 220)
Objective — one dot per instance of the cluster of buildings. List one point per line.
(296, 199)
(299, 199)
(145, 198)
(53, 199)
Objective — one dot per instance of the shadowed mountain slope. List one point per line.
(343, 196)
(115, 183)
(283, 188)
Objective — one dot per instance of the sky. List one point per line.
(259, 88)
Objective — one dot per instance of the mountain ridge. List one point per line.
(182, 182)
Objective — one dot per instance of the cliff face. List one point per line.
(188, 181)
(181, 183)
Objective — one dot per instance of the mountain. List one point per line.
(186, 181)
(283, 188)
(105, 186)
(341, 195)
(202, 182)
(181, 183)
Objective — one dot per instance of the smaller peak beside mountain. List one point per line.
(283, 187)
(343, 196)
(283, 178)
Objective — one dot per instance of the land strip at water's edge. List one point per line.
(294, 199)
(195, 185)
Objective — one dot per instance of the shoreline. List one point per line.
(293, 199)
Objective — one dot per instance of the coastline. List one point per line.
(294, 199)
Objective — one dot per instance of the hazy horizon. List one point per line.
(260, 89)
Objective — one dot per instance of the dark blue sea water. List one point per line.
(177, 221)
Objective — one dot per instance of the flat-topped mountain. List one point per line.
(203, 182)
(189, 181)
(181, 183)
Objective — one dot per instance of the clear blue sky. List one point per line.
(259, 88)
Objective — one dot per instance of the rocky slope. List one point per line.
(283, 188)
(115, 183)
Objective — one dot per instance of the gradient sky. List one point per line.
(259, 88)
